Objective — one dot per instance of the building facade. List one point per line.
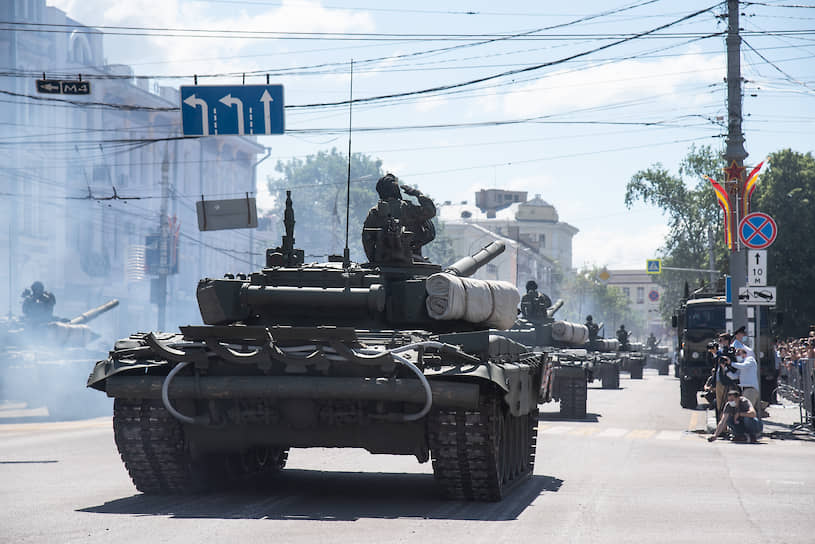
(539, 245)
(644, 296)
(83, 184)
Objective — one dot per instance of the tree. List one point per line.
(694, 219)
(318, 191)
(786, 192)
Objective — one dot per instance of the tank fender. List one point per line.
(519, 381)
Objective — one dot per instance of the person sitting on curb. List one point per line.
(740, 416)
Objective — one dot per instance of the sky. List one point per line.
(586, 105)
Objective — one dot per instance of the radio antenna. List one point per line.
(346, 254)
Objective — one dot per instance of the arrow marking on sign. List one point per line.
(267, 100)
(50, 87)
(229, 101)
(193, 102)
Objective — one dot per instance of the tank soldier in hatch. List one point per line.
(651, 343)
(594, 329)
(38, 304)
(395, 229)
(622, 337)
(534, 303)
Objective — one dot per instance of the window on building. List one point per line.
(542, 240)
(627, 292)
(640, 295)
(492, 269)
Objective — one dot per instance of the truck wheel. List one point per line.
(687, 394)
(664, 366)
(635, 368)
(573, 398)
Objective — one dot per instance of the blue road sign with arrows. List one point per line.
(219, 110)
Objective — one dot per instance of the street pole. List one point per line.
(734, 157)
(163, 244)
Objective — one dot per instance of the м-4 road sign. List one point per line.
(63, 86)
(218, 110)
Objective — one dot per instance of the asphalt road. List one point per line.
(638, 469)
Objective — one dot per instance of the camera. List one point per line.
(713, 346)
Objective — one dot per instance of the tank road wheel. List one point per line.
(255, 465)
(635, 368)
(482, 454)
(687, 394)
(151, 443)
(573, 398)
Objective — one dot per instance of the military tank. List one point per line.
(41, 357)
(391, 356)
(658, 357)
(560, 343)
(633, 359)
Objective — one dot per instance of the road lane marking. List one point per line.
(694, 421)
(585, 431)
(557, 430)
(613, 432)
(669, 435)
(56, 425)
(641, 433)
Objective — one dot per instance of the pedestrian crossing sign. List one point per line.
(653, 266)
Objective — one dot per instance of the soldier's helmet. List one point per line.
(622, 327)
(588, 318)
(37, 288)
(531, 285)
(388, 187)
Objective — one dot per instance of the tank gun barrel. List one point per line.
(90, 315)
(467, 266)
(555, 307)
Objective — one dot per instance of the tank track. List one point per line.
(153, 448)
(573, 393)
(482, 454)
(610, 376)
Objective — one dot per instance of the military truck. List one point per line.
(560, 344)
(393, 357)
(698, 321)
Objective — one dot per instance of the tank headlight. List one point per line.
(694, 355)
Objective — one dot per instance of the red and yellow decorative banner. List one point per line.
(724, 203)
(749, 187)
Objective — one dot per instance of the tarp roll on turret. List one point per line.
(493, 303)
(570, 333)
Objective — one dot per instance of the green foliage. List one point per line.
(786, 191)
(584, 294)
(318, 191)
(694, 219)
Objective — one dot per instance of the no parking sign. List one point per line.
(757, 230)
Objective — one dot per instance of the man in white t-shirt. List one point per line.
(748, 374)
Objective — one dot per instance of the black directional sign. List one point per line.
(49, 86)
(63, 86)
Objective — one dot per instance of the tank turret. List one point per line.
(371, 295)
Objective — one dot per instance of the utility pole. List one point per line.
(734, 156)
(163, 244)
